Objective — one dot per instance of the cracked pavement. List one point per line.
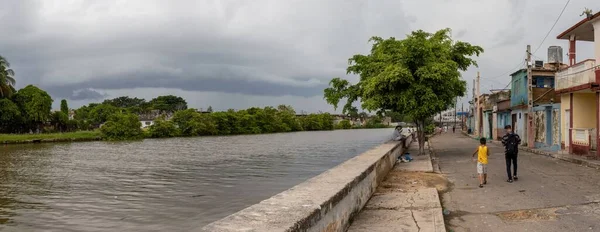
(551, 194)
(405, 200)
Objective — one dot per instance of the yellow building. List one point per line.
(579, 87)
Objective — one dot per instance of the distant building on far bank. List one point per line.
(147, 119)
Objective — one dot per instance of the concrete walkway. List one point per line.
(562, 155)
(407, 200)
(551, 194)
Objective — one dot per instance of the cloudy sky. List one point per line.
(243, 53)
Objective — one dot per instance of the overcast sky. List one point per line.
(238, 54)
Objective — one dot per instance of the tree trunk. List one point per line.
(421, 135)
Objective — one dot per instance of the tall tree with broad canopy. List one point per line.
(169, 103)
(35, 105)
(418, 76)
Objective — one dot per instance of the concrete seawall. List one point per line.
(327, 202)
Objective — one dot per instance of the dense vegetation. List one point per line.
(250, 121)
(29, 111)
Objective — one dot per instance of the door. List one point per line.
(567, 127)
(513, 122)
(491, 119)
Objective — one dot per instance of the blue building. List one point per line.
(503, 116)
(546, 107)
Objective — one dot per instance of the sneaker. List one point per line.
(481, 186)
(509, 181)
(485, 182)
(515, 178)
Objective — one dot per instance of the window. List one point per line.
(148, 123)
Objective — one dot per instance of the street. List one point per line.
(550, 195)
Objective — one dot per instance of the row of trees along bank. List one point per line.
(28, 110)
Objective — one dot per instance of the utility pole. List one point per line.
(530, 127)
(455, 102)
(462, 118)
(477, 119)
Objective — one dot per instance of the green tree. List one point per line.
(101, 113)
(225, 123)
(192, 123)
(7, 78)
(122, 126)
(418, 76)
(353, 113)
(395, 116)
(209, 109)
(10, 115)
(248, 123)
(163, 129)
(64, 107)
(35, 105)
(288, 117)
(375, 122)
(59, 120)
(72, 125)
(169, 103)
(125, 102)
(344, 124)
(315, 122)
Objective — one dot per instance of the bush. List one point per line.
(344, 124)
(429, 129)
(192, 123)
(163, 129)
(375, 122)
(122, 127)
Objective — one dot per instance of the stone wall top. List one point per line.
(302, 206)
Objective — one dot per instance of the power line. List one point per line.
(509, 71)
(539, 46)
(561, 12)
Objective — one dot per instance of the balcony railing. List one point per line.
(576, 75)
(583, 137)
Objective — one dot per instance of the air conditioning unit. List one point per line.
(539, 63)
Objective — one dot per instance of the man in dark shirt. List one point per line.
(511, 143)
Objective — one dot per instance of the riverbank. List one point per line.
(78, 136)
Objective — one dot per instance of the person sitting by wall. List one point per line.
(398, 133)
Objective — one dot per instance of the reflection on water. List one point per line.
(161, 185)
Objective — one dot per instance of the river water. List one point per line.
(161, 184)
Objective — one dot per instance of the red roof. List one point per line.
(583, 30)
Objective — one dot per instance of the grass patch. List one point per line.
(67, 135)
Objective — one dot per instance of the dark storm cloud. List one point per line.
(259, 88)
(86, 94)
(267, 48)
(292, 49)
(82, 49)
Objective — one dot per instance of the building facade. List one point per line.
(578, 86)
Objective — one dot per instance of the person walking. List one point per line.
(482, 153)
(511, 143)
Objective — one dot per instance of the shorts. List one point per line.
(481, 168)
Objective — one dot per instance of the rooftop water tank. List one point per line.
(555, 55)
